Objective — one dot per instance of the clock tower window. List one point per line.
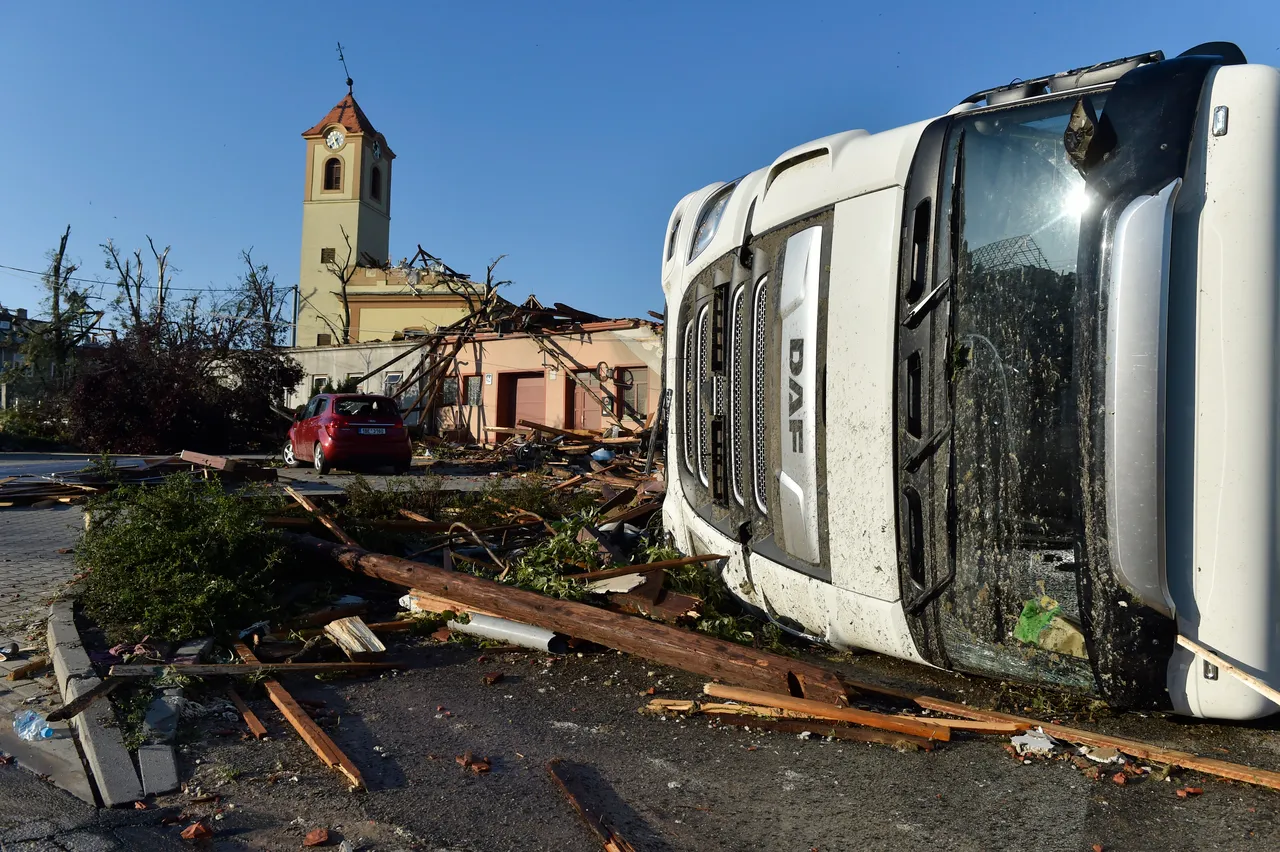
(333, 173)
(375, 184)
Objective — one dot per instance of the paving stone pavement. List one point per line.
(31, 568)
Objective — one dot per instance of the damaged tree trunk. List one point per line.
(682, 649)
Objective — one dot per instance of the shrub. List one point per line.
(180, 559)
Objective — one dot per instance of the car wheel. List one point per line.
(289, 458)
(402, 468)
(322, 464)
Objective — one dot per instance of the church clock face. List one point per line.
(334, 139)
(377, 150)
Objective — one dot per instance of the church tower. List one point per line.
(347, 189)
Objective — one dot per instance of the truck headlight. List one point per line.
(709, 220)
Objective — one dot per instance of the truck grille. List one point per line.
(688, 412)
(759, 331)
(700, 390)
(734, 408)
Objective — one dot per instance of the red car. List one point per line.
(346, 429)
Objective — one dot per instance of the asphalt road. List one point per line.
(691, 785)
(305, 479)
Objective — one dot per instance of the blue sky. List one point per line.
(558, 133)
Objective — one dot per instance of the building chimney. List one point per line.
(22, 313)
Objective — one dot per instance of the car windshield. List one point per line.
(364, 407)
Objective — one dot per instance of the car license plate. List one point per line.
(369, 430)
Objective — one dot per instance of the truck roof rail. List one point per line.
(1063, 81)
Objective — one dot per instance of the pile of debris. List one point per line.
(76, 485)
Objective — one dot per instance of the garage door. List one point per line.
(530, 396)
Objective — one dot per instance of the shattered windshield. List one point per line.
(1016, 207)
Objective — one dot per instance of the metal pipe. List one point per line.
(503, 630)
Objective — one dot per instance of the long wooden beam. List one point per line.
(817, 710)
(311, 734)
(245, 670)
(683, 649)
(1135, 748)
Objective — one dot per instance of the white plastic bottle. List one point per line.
(31, 725)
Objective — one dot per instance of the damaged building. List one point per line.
(462, 361)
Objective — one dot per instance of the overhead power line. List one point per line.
(112, 283)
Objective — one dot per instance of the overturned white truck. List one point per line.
(998, 391)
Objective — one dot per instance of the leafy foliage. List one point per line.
(180, 559)
(136, 396)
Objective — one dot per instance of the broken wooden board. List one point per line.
(28, 668)
(553, 430)
(684, 649)
(311, 734)
(819, 710)
(204, 460)
(623, 570)
(1134, 748)
(305, 503)
(82, 702)
(608, 838)
(251, 719)
(355, 639)
(241, 670)
(819, 728)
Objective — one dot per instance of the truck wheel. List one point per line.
(322, 464)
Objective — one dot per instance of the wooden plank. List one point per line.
(1244, 677)
(355, 639)
(684, 649)
(634, 513)
(552, 430)
(28, 668)
(434, 603)
(624, 570)
(622, 498)
(573, 480)
(414, 516)
(324, 519)
(240, 670)
(828, 729)
(84, 700)
(311, 734)
(609, 839)
(251, 719)
(818, 710)
(216, 462)
(667, 705)
(1135, 748)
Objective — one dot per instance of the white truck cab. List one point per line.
(999, 391)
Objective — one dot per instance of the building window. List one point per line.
(633, 391)
(475, 387)
(333, 173)
(318, 382)
(324, 340)
(448, 393)
(328, 255)
(375, 184)
(351, 382)
(391, 383)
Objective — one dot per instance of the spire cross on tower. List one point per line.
(343, 60)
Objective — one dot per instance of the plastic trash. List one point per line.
(31, 725)
(603, 455)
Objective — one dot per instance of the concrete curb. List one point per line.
(112, 768)
(57, 759)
